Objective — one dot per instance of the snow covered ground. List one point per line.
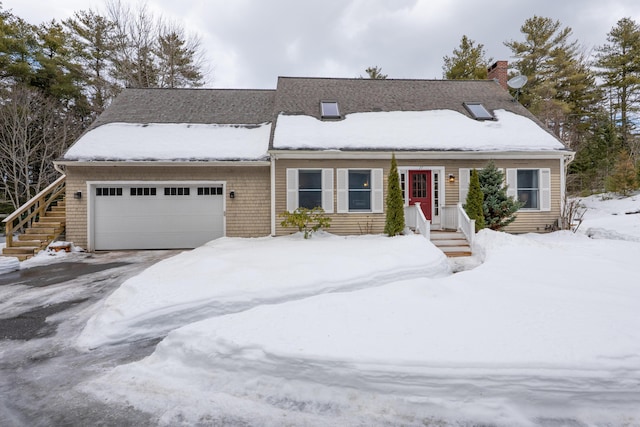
(369, 330)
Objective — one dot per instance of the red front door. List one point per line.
(420, 190)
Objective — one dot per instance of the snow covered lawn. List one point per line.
(373, 331)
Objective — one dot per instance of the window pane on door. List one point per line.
(419, 186)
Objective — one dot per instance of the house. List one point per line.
(174, 168)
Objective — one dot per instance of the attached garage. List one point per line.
(155, 215)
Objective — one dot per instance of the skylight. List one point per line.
(478, 111)
(329, 110)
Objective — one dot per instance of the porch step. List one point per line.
(26, 243)
(20, 257)
(37, 228)
(18, 251)
(452, 243)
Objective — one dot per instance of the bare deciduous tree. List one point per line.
(32, 135)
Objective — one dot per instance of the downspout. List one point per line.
(58, 168)
(564, 167)
(273, 195)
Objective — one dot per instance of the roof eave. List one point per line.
(418, 154)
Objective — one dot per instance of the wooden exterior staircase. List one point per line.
(37, 223)
(452, 243)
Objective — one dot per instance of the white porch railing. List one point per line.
(456, 218)
(449, 219)
(466, 225)
(414, 218)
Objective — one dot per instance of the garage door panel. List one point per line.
(129, 219)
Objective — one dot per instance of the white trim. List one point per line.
(464, 179)
(272, 173)
(292, 189)
(545, 189)
(440, 170)
(342, 190)
(512, 183)
(418, 155)
(90, 185)
(563, 184)
(377, 190)
(196, 163)
(327, 190)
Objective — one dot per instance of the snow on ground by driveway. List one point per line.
(544, 332)
(229, 275)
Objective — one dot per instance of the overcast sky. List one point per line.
(249, 43)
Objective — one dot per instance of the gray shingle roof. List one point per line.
(295, 95)
(302, 95)
(221, 106)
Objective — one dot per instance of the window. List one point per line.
(309, 188)
(528, 188)
(209, 191)
(108, 191)
(142, 191)
(329, 110)
(176, 191)
(532, 187)
(360, 190)
(478, 111)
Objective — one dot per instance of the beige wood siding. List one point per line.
(247, 215)
(361, 223)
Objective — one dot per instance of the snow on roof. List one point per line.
(172, 142)
(414, 130)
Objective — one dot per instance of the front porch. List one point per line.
(455, 235)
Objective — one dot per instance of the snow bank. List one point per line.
(229, 275)
(172, 142)
(608, 216)
(415, 130)
(547, 327)
(8, 264)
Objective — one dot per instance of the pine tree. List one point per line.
(93, 44)
(618, 64)
(475, 199)
(499, 209)
(561, 88)
(394, 219)
(467, 62)
(623, 179)
(177, 62)
(375, 73)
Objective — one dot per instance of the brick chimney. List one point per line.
(498, 72)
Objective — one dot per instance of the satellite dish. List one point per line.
(517, 82)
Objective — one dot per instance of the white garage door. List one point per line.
(156, 216)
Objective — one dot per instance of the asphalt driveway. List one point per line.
(42, 310)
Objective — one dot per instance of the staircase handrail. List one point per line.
(466, 224)
(423, 225)
(36, 206)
